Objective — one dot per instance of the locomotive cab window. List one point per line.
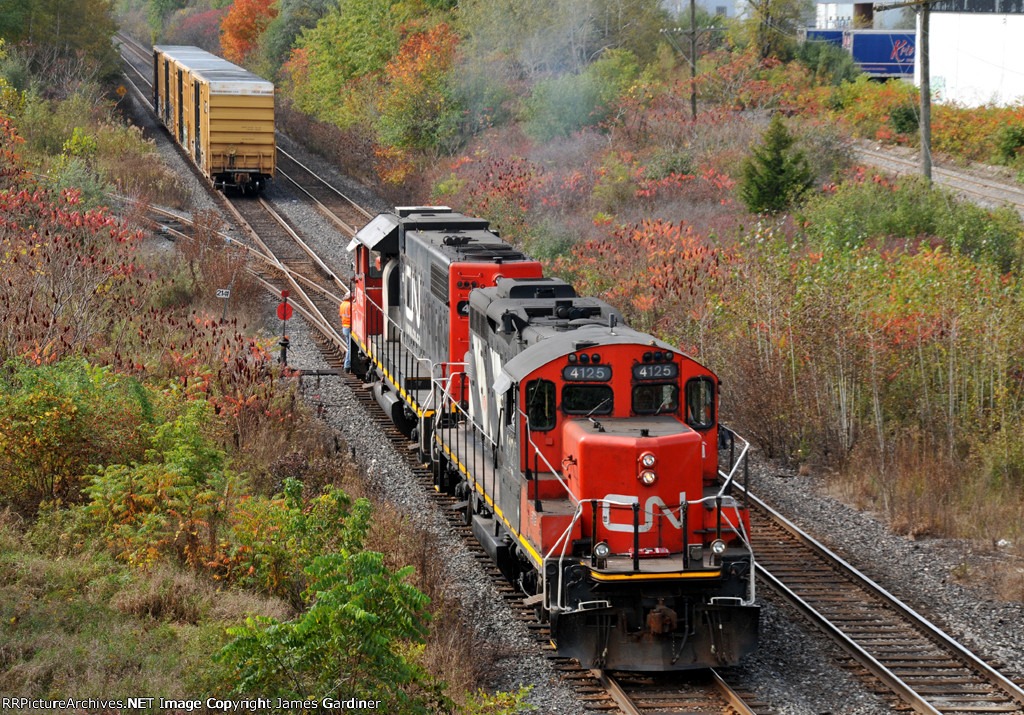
(657, 399)
(376, 267)
(700, 403)
(540, 405)
(587, 399)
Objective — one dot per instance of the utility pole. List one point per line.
(693, 58)
(925, 122)
(692, 32)
(926, 95)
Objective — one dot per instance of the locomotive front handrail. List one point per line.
(537, 452)
(732, 472)
(562, 543)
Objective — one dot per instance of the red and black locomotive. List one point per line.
(585, 452)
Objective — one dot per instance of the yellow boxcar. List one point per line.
(221, 114)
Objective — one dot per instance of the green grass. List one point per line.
(82, 625)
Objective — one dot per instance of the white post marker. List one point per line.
(224, 293)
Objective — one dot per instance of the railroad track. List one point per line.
(919, 664)
(989, 192)
(140, 66)
(697, 692)
(288, 262)
(342, 211)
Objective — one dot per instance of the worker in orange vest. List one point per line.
(345, 313)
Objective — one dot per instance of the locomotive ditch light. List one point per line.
(648, 460)
(648, 477)
(602, 550)
(718, 547)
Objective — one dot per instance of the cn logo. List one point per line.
(902, 50)
(623, 504)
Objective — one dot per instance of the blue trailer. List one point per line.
(882, 53)
(829, 37)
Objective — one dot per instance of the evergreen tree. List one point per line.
(776, 174)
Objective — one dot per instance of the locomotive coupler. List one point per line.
(662, 619)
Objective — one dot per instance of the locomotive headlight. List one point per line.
(602, 550)
(648, 477)
(648, 460)
(718, 547)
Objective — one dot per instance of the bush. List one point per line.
(271, 540)
(904, 119)
(1009, 142)
(865, 107)
(859, 210)
(666, 162)
(56, 420)
(357, 631)
(831, 64)
(171, 504)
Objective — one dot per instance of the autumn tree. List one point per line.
(243, 25)
(770, 26)
(341, 59)
(662, 276)
(292, 18)
(418, 112)
(201, 29)
(82, 30)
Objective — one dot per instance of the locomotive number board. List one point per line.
(588, 373)
(656, 371)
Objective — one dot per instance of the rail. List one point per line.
(871, 591)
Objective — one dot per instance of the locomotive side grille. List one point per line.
(439, 282)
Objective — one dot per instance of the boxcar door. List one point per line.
(156, 83)
(180, 116)
(167, 92)
(196, 103)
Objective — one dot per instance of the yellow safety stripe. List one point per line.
(401, 391)
(462, 468)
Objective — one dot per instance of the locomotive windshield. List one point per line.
(587, 399)
(657, 399)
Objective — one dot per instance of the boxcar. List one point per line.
(221, 114)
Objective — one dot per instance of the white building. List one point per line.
(977, 51)
(843, 15)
